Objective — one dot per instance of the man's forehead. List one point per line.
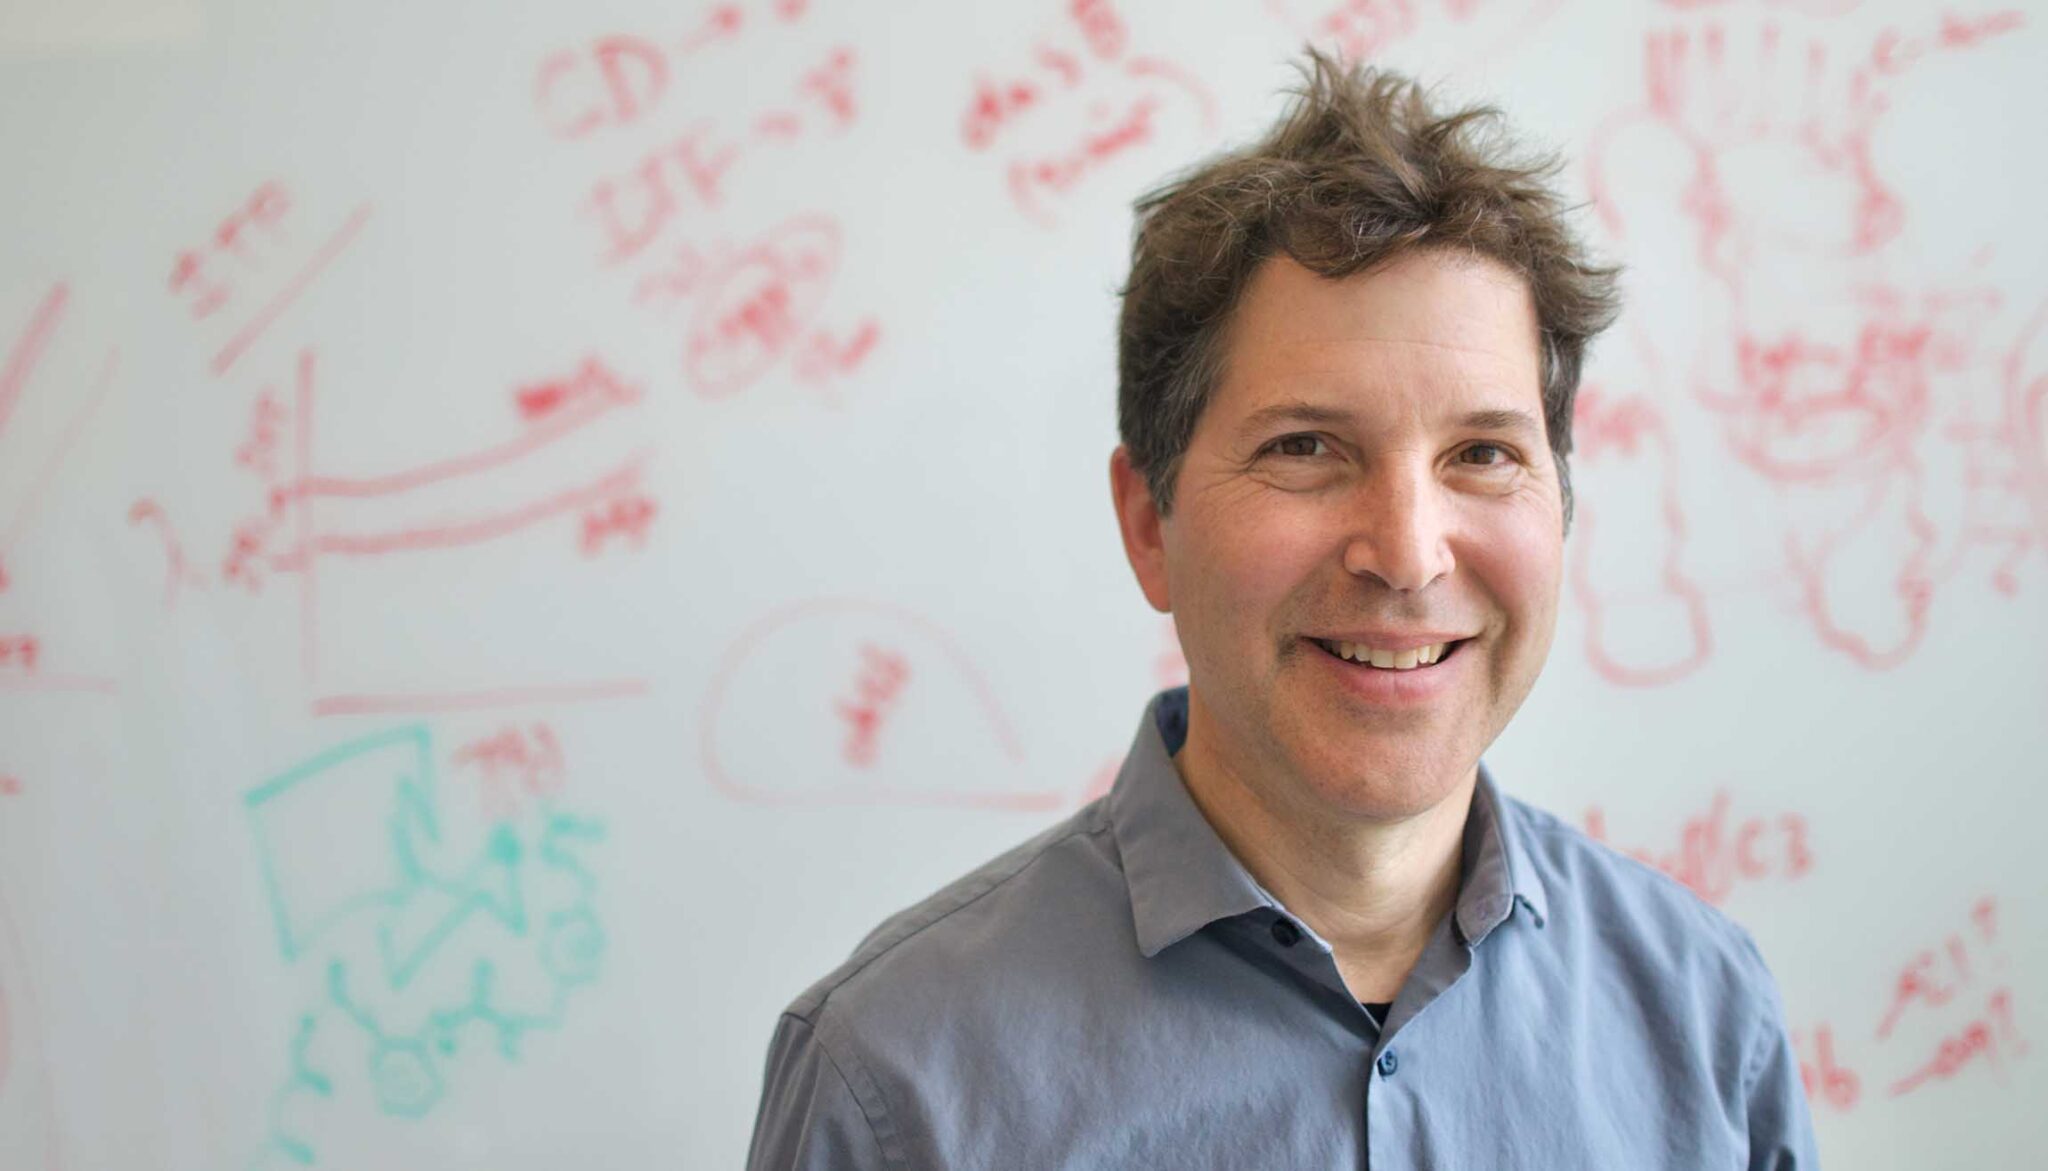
(1394, 292)
(1461, 329)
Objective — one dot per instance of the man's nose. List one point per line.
(1398, 531)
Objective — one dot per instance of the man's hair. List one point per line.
(1359, 170)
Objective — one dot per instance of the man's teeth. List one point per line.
(1358, 652)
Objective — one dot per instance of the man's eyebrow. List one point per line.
(1291, 412)
(1501, 420)
(1493, 419)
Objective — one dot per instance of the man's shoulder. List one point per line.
(977, 931)
(1627, 903)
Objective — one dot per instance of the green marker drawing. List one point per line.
(354, 844)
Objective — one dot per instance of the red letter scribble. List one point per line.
(593, 387)
(1363, 30)
(1985, 915)
(1896, 51)
(754, 311)
(259, 452)
(1917, 983)
(776, 718)
(1710, 860)
(176, 573)
(1993, 1038)
(723, 23)
(1076, 110)
(19, 652)
(619, 80)
(992, 105)
(199, 282)
(648, 206)
(1827, 1082)
(634, 211)
(1101, 26)
(250, 249)
(831, 85)
(511, 761)
(626, 517)
(825, 358)
(658, 217)
(882, 677)
(1032, 182)
(1931, 980)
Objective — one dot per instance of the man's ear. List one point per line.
(1139, 520)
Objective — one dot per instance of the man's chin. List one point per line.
(1380, 777)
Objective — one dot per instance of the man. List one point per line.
(1305, 928)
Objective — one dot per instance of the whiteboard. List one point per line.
(526, 533)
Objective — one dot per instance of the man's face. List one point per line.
(1372, 468)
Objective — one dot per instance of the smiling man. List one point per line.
(1306, 928)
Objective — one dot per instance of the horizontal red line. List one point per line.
(473, 532)
(278, 304)
(504, 453)
(466, 701)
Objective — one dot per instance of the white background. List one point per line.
(1799, 660)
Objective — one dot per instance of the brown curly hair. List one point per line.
(1360, 169)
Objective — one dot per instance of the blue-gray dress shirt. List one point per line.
(1118, 992)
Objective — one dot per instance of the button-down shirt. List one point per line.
(1119, 992)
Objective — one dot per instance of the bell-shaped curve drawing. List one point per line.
(848, 701)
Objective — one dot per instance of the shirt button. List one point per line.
(1285, 933)
(1389, 1063)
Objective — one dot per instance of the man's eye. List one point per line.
(1505, 456)
(1303, 446)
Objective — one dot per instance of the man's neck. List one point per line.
(1374, 890)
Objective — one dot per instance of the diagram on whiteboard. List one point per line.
(354, 550)
(744, 302)
(846, 701)
(1861, 396)
(428, 931)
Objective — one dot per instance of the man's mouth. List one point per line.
(1386, 659)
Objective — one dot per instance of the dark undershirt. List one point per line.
(1378, 1012)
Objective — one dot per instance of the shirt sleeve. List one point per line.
(809, 1118)
(1780, 1125)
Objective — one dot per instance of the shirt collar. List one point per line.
(1496, 870)
(1182, 877)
